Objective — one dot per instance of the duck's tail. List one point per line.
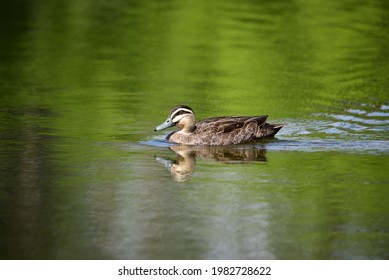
(272, 129)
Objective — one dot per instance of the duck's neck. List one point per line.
(187, 124)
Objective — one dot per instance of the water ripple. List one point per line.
(385, 107)
(358, 129)
(307, 145)
(348, 118)
(378, 114)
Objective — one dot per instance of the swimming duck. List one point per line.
(216, 131)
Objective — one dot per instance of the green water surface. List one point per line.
(84, 176)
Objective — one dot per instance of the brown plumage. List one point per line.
(216, 131)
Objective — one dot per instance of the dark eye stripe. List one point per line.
(180, 112)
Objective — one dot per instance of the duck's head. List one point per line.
(182, 116)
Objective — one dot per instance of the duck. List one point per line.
(227, 130)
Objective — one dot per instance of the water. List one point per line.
(84, 176)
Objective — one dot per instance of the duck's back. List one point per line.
(229, 130)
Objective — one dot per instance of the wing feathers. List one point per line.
(233, 129)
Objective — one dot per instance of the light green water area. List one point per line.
(84, 176)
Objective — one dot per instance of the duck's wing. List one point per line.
(231, 130)
(229, 124)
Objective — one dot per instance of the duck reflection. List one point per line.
(183, 166)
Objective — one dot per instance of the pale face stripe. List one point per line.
(176, 115)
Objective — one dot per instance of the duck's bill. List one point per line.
(168, 123)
